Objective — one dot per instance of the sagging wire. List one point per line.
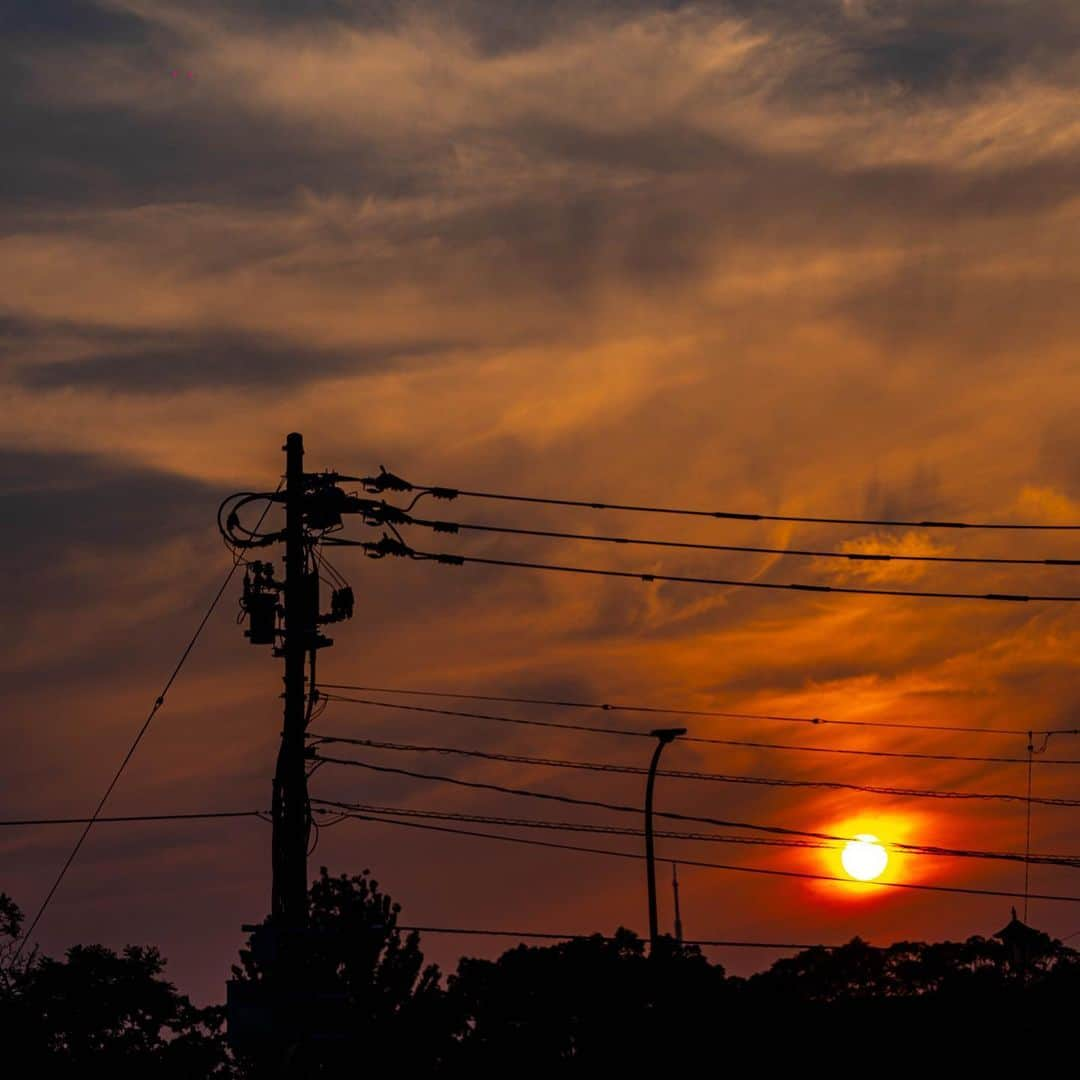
(686, 774)
(383, 513)
(232, 523)
(336, 580)
(396, 547)
(318, 826)
(631, 733)
(387, 481)
(606, 706)
(159, 702)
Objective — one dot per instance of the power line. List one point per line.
(389, 482)
(661, 711)
(696, 738)
(768, 871)
(569, 826)
(386, 546)
(571, 800)
(328, 806)
(851, 556)
(159, 701)
(621, 808)
(207, 815)
(544, 936)
(685, 774)
(1071, 861)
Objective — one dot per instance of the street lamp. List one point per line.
(663, 736)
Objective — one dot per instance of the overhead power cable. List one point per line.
(768, 871)
(748, 744)
(387, 546)
(159, 701)
(453, 527)
(661, 711)
(387, 481)
(686, 774)
(328, 805)
(129, 818)
(620, 808)
(544, 936)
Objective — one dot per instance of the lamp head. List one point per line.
(666, 735)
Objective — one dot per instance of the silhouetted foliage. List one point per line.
(912, 969)
(977, 1002)
(588, 1006)
(98, 1012)
(11, 918)
(592, 1003)
(370, 997)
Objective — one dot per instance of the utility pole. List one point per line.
(291, 811)
(285, 614)
(663, 736)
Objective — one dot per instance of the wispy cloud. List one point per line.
(816, 257)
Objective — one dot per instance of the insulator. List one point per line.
(386, 481)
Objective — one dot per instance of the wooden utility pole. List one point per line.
(291, 811)
(278, 1011)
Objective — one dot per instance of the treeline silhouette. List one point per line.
(582, 1007)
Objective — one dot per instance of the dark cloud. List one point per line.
(84, 532)
(495, 27)
(739, 185)
(918, 498)
(923, 46)
(53, 501)
(24, 22)
(175, 363)
(188, 150)
(932, 58)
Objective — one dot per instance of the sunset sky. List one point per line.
(814, 258)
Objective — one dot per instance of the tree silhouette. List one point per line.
(590, 1003)
(98, 1012)
(366, 1000)
(11, 918)
(856, 971)
(368, 994)
(967, 1002)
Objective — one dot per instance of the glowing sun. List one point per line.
(864, 858)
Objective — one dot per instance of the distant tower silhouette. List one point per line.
(675, 889)
(1024, 946)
